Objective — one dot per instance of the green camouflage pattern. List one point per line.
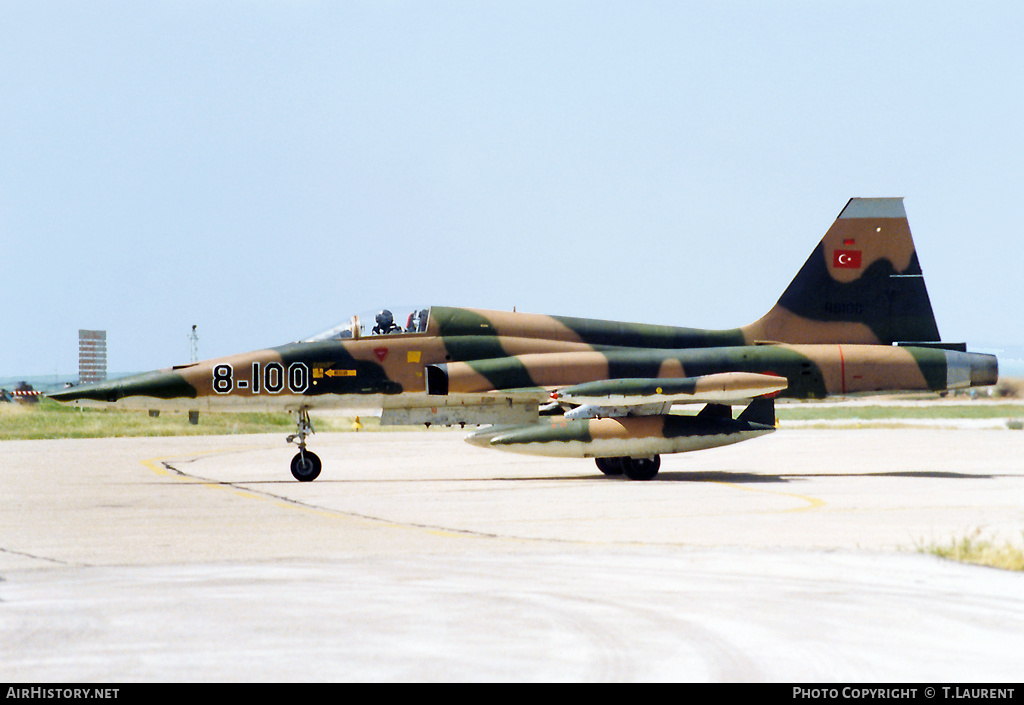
(855, 320)
(312, 374)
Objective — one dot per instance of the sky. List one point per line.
(264, 170)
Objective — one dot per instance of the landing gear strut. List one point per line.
(306, 465)
(633, 468)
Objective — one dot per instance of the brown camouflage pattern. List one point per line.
(831, 333)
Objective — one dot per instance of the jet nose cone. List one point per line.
(160, 385)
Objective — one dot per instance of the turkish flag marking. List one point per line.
(846, 259)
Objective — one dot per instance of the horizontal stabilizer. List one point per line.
(760, 411)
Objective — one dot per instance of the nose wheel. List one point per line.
(306, 465)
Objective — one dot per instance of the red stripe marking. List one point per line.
(842, 367)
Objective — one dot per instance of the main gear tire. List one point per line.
(609, 466)
(641, 468)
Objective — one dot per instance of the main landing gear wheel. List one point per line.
(641, 468)
(305, 465)
(609, 466)
(633, 468)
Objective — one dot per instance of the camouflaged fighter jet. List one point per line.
(855, 320)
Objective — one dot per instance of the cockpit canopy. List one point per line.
(391, 320)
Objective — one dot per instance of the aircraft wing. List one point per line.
(498, 408)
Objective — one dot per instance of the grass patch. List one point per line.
(979, 551)
(881, 412)
(48, 419)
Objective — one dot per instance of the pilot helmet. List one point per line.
(385, 319)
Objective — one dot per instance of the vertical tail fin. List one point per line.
(862, 284)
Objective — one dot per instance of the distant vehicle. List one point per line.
(856, 319)
(25, 394)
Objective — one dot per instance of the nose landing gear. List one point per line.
(306, 465)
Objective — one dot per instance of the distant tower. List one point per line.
(92, 355)
(193, 338)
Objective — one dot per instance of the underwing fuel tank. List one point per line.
(632, 436)
(723, 388)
